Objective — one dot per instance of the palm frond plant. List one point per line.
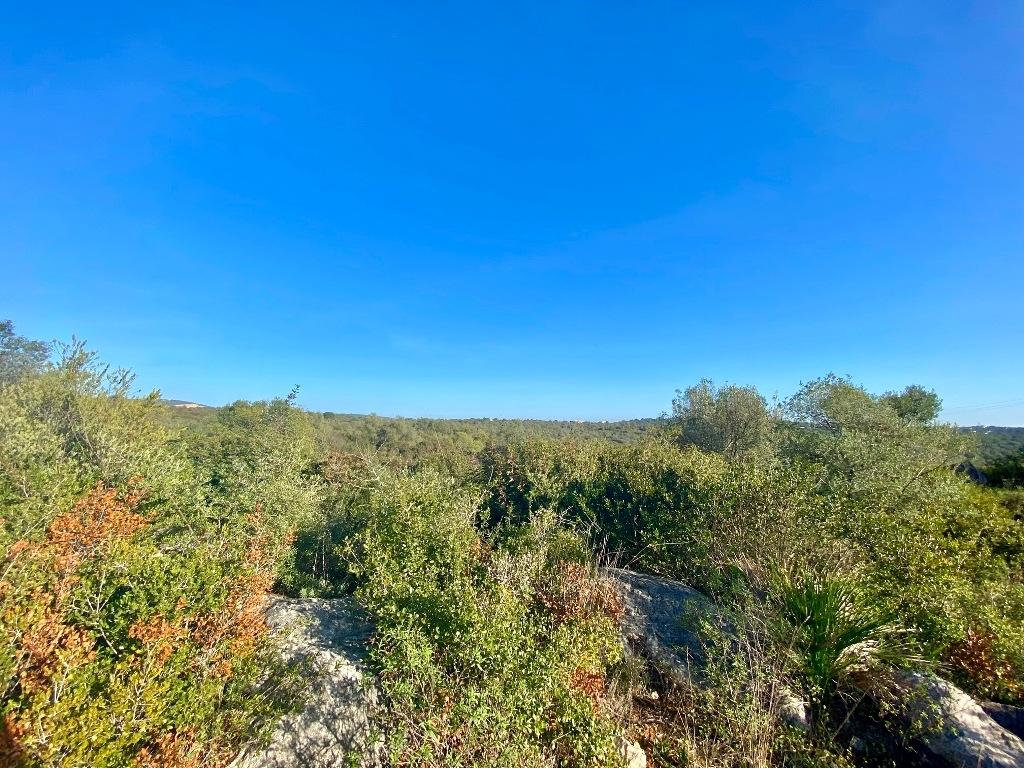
(841, 640)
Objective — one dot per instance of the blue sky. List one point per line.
(525, 209)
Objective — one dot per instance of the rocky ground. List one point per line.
(331, 636)
(661, 620)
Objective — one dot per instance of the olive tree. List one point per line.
(730, 420)
(914, 404)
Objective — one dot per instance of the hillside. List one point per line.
(733, 585)
(996, 442)
(411, 437)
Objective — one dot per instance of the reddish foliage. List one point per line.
(159, 634)
(11, 734)
(590, 682)
(174, 749)
(239, 626)
(976, 659)
(99, 518)
(17, 548)
(46, 645)
(49, 647)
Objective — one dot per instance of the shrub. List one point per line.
(730, 420)
(635, 502)
(487, 654)
(130, 622)
(864, 489)
(840, 639)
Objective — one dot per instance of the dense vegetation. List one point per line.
(132, 579)
(995, 443)
(832, 532)
(410, 439)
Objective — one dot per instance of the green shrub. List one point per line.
(840, 639)
(635, 502)
(478, 664)
(865, 491)
(131, 630)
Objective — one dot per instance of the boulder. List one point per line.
(632, 754)
(663, 617)
(1007, 715)
(960, 732)
(333, 727)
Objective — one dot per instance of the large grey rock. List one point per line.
(1007, 715)
(664, 618)
(333, 727)
(960, 731)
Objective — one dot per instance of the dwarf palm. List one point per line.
(839, 638)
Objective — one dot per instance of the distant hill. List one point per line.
(996, 442)
(416, 436)
(186, 414)
(184, 404)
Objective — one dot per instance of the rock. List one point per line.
(631, 753)
(858, 746)
(794, 711)
(663, 617)
(334, 725)
(1007, 715)
(660, 617)
(961, 732)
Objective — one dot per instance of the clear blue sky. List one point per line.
(520, 209)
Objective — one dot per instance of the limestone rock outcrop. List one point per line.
(962, 733)
(333, 728)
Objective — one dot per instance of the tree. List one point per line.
(863, 446)
(731, 420)
(832, 404)
(914, 404)
(19, 356)
(1007, 471)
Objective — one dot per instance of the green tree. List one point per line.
(18, 355)
(915, 404)
(1007, 471)
(731, 420)
(862, 446)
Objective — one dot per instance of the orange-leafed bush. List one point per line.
(120, 652)
(92, 524)
(977, 660)
(173, 749)
(134, 563)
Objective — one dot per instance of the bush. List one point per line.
(866, 494)
(636, 503)
(490, 652)
(130, 621)
(839, 639)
